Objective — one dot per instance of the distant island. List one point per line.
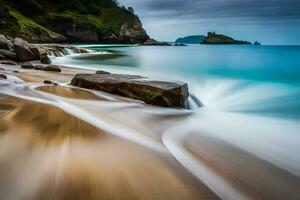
(193, 39)
(213, 38)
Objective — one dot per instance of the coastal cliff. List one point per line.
(80, 21)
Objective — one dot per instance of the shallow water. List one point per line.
(243, 144)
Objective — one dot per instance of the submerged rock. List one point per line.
(45, 58)
(160, 93)
(51, 68)
(257, 43)
(3, 76)
(47, 82)
(27, 65)
(152, 42)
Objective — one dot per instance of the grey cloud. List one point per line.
(209, 9)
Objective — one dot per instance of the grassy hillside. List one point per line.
(53, 18)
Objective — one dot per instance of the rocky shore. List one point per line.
(33, 58)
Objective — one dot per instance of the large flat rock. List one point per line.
(160, 93)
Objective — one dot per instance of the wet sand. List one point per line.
(60, 142)
(47, 153)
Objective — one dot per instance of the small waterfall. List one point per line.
(68, 51)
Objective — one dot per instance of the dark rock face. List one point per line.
(128, 33)
(75, 33)
(166, 94)
(24, 51)
(133, 33)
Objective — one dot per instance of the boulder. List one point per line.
(4, 42)
(3, 76)
(24, 51)
(47, 82)
(8, 54)
(160, 93)
(2, 56)
(51, 68)
(27, 65)
(45, 58)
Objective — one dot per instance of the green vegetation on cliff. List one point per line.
(75, 20)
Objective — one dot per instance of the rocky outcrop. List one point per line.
(160, 93)
(133, 33)
(152, 42)
(24, 51)
(18, 50)
(213, 38)
(74, 32)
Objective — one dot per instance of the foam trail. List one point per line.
(173, 139)
(112, 128)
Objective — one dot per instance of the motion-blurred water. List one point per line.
(251, 93)
(243, 144)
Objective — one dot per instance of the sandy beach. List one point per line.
(61, 142)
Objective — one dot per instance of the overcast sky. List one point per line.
(268, 21)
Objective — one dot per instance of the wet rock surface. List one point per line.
(24, 51)
(160, 93)
(27, 65)
(51, 68)
(152, 42)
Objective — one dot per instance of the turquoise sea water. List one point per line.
(263, 80)
(251, 105)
